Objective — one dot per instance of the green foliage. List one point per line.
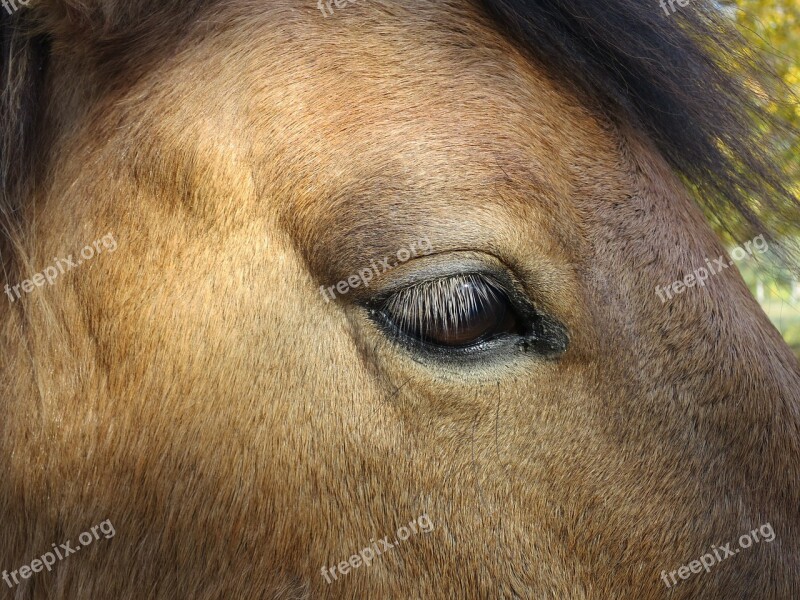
(772, 28)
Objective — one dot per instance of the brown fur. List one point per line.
(241, 433)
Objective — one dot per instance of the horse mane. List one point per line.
(688, 80)
(21, 62)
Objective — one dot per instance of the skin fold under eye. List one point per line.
(456, 312)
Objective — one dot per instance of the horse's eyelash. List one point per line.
(444, 303)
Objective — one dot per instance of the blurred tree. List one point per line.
(773, 27)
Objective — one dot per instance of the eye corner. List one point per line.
(548, 338)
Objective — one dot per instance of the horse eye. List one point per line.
(454, 312)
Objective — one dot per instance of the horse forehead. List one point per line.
(352, 120)
(427, 84)
(381, 120)
(391, 70)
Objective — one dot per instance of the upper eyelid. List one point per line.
(492, 283)
(487, 289)
(444, 264)
(488, 277)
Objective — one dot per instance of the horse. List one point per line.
(503, 407)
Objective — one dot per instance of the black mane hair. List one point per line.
(687, 79)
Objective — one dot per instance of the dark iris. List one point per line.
(454, 312)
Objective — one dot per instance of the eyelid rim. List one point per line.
(489, 276)
(451, 264)
(547, 337)
(521, 305)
